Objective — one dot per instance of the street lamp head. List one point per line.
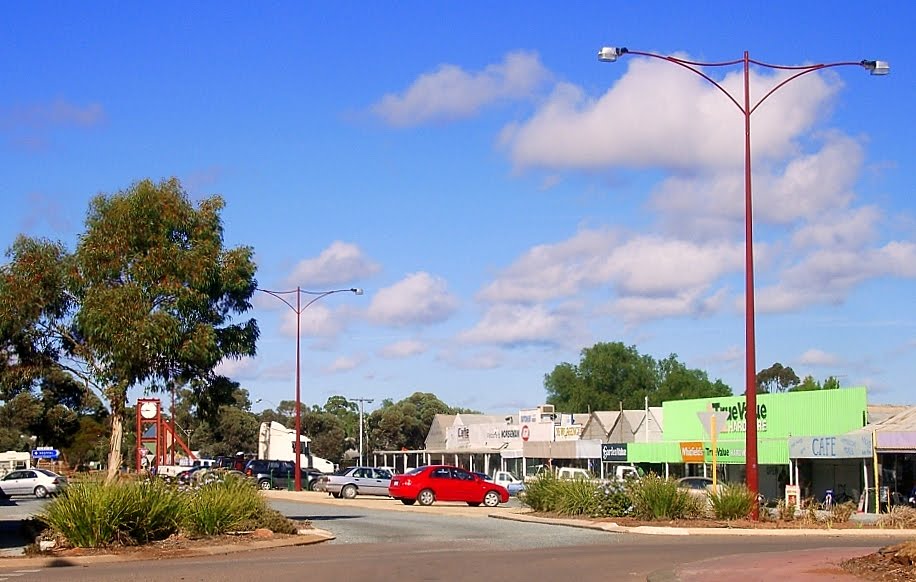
(877, 67)
(609, 54)
(357, 290)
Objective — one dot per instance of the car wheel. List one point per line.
(408, 501)
(41, 492)
(348, 492)
(426, 497)
(473, 503)
(263, 484)
(491, 499)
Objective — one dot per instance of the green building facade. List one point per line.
(779, 416)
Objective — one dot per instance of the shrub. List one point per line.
(732, 501)
(577, 497)
(656, 498)
(94, 514)
(612, 500)
(221, 506)
(542, 494)
(784, 511)
(842, 512)
(899, 517)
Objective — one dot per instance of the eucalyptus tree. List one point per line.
(147, 299)
(612, 375)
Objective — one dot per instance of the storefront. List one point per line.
(779, 417)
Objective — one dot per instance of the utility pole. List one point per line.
(361, 402)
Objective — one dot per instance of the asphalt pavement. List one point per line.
(785, 566)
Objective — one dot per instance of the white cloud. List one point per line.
(418, 299)
(450, 92)
(827, 275)
(639, 308)
(235, 369)
(642, 265)
(316, 321)
(54, 114)
(815, 357)
(512, 325)
(657, 114)
(403, 349)
(843, 229)
(484, 360)
(343, 364)
(339, 264)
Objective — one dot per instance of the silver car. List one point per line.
(37, 482)
(348, 483)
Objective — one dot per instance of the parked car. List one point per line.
(427, 484)
(37, 482)
(699, 486)
(353, 481)
(269, 474)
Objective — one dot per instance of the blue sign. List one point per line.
(45, 453)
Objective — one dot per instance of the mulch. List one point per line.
(895, 563)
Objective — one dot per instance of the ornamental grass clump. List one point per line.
(543, 493)
(93, 514)
(577, 497)
(656, 498)
(732, 501)
(232, 504)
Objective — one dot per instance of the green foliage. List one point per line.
(810, 384)
(223, 506)
(543, 493)
(576, 497)
(776, 378)
(406, 423)
(93, 514)
(329, 437)
(732, 501)
(611, 374)
(148, 299)
(656, 498)
(231, 431)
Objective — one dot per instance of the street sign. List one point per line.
(45, 453)
(713, 427)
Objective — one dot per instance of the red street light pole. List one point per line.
(298, 309)
(610, 54)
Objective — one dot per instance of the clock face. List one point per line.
(148, 409)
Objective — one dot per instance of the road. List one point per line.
(381, 544)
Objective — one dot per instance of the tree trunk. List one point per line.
(114, 450)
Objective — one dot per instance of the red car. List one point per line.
(445, 483)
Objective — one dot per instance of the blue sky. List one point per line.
(504, 199)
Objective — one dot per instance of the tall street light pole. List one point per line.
(611, 54)
(361, 401)
(298, 309)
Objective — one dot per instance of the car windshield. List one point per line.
(415, 471)
(46, 472)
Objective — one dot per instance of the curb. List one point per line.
(311, 536)
(612, 527)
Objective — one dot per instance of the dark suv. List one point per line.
(270, 474)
